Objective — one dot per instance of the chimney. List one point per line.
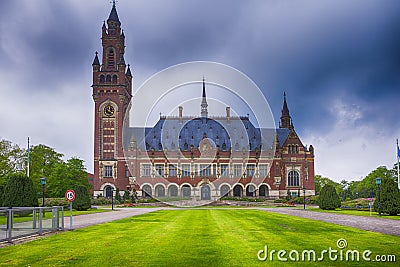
(180, 114)
(228, 114)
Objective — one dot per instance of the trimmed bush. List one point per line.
(19, 192)
(390, 198)
(50, 202)
(101, 201)
(328, 198)
(82, 199)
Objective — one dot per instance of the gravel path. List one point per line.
(97, 218)
(385, 226)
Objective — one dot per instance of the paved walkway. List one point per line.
(97, 218)
(385, 226)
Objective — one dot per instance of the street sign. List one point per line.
(70, 195)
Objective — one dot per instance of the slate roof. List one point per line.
(171, 134)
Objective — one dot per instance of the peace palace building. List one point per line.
(182, 157)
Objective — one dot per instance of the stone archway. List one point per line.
(205, 192)
(160, 191)
(225, 190)
(250, 191)
(186, 191)
(108, 191)
(263, 191)
(237, 191)
(146, 191)
(172, 191)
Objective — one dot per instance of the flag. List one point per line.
(398, 151)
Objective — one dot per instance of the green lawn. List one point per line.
(197, 237)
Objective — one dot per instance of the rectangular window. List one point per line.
(146, 170)
(277, 173)
(195, 170)
(160, 170)
(108, 171)
(263, 169)
(237, 170)
(205, 170)
(172, 170)
(214, 171)
(185, 170)
(250, 170)
(224, 170)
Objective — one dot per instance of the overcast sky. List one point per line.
(338, 61)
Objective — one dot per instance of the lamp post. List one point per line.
(43, 183)
(304, 196)
(378, 182)
(112, 198)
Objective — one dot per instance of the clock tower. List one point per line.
(112, 92)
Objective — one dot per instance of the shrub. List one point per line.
(82, 199)
(19, 192)
(101, 201)
(118, 196)
(328, 198)
(50, 202)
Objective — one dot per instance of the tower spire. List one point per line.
(286, 121)
(204, 105)
(113, 14)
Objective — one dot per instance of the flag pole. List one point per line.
(398, 167)
(29, 159)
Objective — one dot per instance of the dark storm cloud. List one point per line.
(338, 61)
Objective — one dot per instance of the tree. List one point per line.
(390, 198)
(328, 198)
(67, 175)
(82, 198)
(43, 161)
(12, 160)
(20, 192)
(320, 182)
(367, 187)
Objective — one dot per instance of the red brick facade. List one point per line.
(148, 170)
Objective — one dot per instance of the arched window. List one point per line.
(102, 78)
(114, 79)
(111, 58)
(108, 78)
(293, 178)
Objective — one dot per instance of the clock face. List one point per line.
(109, 110)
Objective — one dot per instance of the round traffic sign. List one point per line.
(70, 195)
